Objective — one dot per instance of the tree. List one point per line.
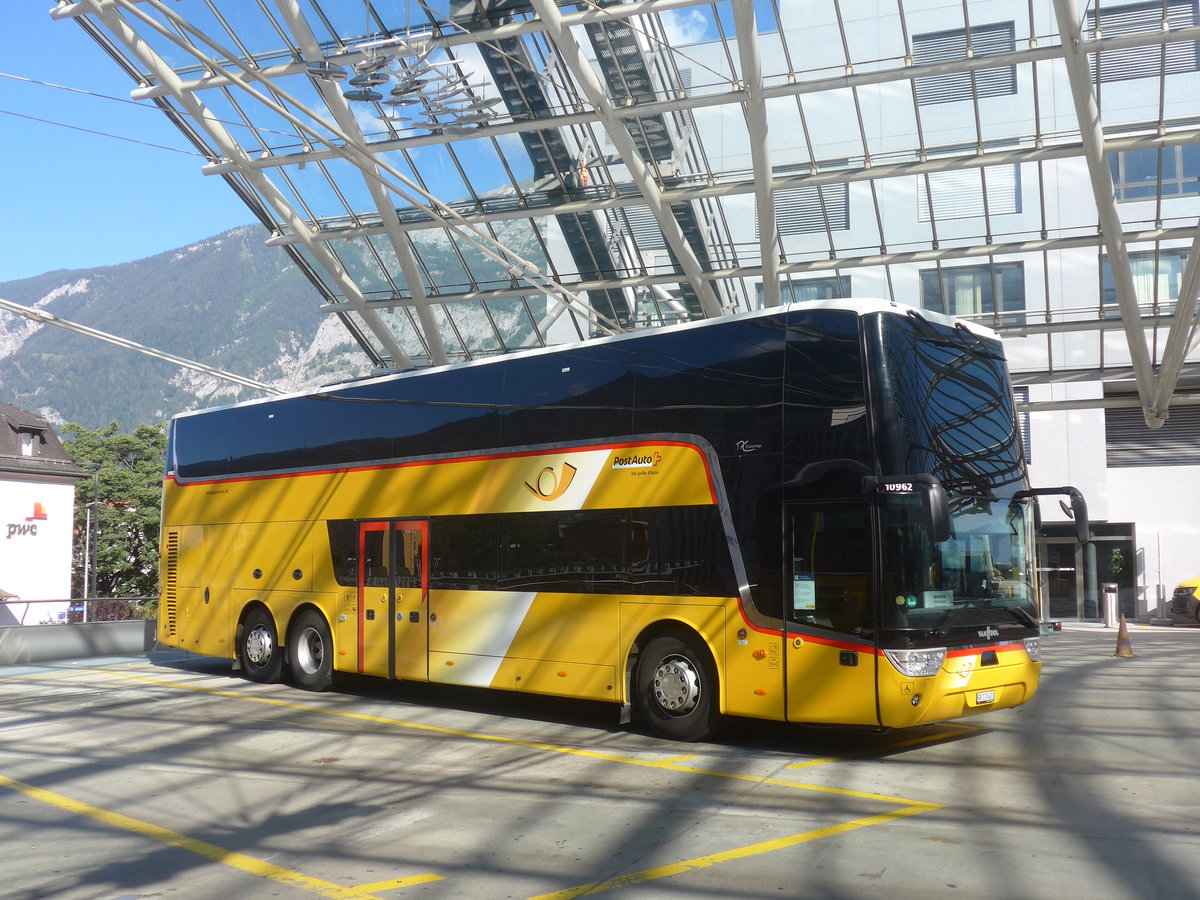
(125, 521)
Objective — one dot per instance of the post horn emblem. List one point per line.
(549, 485)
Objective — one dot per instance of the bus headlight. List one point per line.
(1033, 646)
(917, 663)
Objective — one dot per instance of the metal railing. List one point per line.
(76, 610)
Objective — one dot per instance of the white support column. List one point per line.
(1092, 134)
(382, 199)
(760, 148)
(639, 171)
(1181, 336)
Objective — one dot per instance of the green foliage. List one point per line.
(124, 495)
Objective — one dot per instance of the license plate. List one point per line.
(982, 697)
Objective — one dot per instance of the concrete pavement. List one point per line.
(134, 777)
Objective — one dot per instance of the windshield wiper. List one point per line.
(1023, 615)
(961, 606)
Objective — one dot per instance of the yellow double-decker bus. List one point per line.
(816, 513)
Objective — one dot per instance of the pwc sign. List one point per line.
(29, 526)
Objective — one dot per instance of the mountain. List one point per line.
(228, 301)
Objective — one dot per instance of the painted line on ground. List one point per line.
(674, 764)
(225, 857)
(715, 859)
(667, 764)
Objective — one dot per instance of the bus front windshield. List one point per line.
(986, 564)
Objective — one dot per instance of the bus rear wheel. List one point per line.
(310, 651)
(258, 649)
(676, 684)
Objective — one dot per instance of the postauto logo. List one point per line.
(637, 461)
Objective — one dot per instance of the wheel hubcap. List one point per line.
(310, 651)
(677, 685)
(259, 646)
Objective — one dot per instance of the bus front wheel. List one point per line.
(259, 652)
(677, 688)
(310, 651)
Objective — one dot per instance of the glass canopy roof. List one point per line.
(482, 176)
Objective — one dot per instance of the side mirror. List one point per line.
(1078, 510)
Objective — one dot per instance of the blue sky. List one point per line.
(75, 194)
(72, 199)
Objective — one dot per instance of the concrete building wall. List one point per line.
(36, 525)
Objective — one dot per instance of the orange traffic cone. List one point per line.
(1124, 650)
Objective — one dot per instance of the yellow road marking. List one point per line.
(714, 859)
(668, 765)
(203, 848)
(395, 883)
(908, 807)
(819, 761)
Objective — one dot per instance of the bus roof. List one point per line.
(858, 306)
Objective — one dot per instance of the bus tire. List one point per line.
(258, 650)
(676, 684)
(310, 651)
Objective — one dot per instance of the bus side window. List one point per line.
(376, 569)
(831, 566)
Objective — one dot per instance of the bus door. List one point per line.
(830, 655)
(393, 599)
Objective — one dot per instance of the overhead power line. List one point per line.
(42, 317)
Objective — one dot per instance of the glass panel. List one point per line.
(1140, 166)
(1059, 581)
(944, 406)
(711, 377)
(409, 544)
(831, 567)
(343, 547)
(985, 566)
(971, 290)
(376, 569)
(1190, 168)
(574, 395)
(671, 551)
(1156, 277)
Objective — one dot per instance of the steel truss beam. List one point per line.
(618, 132)
(339, 107)
(1087, 111)
(789, 182)
(107, 12)
(243, 169)
(737, 94)
(971, 251)
(358, 155)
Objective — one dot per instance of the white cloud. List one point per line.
(685, 26)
